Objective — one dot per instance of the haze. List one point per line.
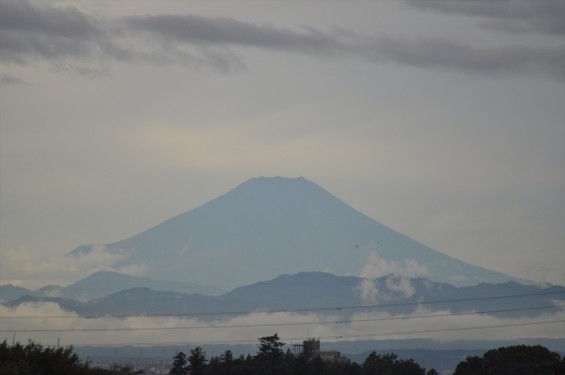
(442, 120)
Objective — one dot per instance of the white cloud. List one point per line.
(447, 327)
(32, 269)
(291, 327)
(376, 267)
(400, 284)
(368, 291)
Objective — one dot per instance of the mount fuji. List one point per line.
(269, 226)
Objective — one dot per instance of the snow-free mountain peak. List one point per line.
(267, 226)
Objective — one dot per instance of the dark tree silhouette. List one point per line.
(197, 361)
(180, 365)
(389, 364)
(512, 360)
(270, 357)
(37, 359)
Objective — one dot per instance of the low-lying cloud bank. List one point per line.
(47, 323)
(17, 267)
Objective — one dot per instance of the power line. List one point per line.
(312, 309)
(278, 324)
(451, 329)
(329, 337)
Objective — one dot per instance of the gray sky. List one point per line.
(441, 119)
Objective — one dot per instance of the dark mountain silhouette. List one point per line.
(103, 283)
(269, 226)
(325, 294)
(10, 292)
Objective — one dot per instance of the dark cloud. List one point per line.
(197, 40)
(526, 16)
(9, 80)
(64, 22)
(447, 54)
(228, 31)
(430, 53)
(32, 32)
(68, 39)
(72, 41)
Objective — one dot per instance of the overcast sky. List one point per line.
(444, 120)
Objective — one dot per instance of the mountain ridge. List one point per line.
(272, 225)
(102, 283)
(323, 293)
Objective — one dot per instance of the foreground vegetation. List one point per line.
(35, 359)
(270, 359)
(514, 360)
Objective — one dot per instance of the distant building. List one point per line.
(311, 349)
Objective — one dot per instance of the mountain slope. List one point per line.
(324, 294)
(103, 283)
(10, 292)
(269, 226)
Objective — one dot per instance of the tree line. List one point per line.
(271, 359)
